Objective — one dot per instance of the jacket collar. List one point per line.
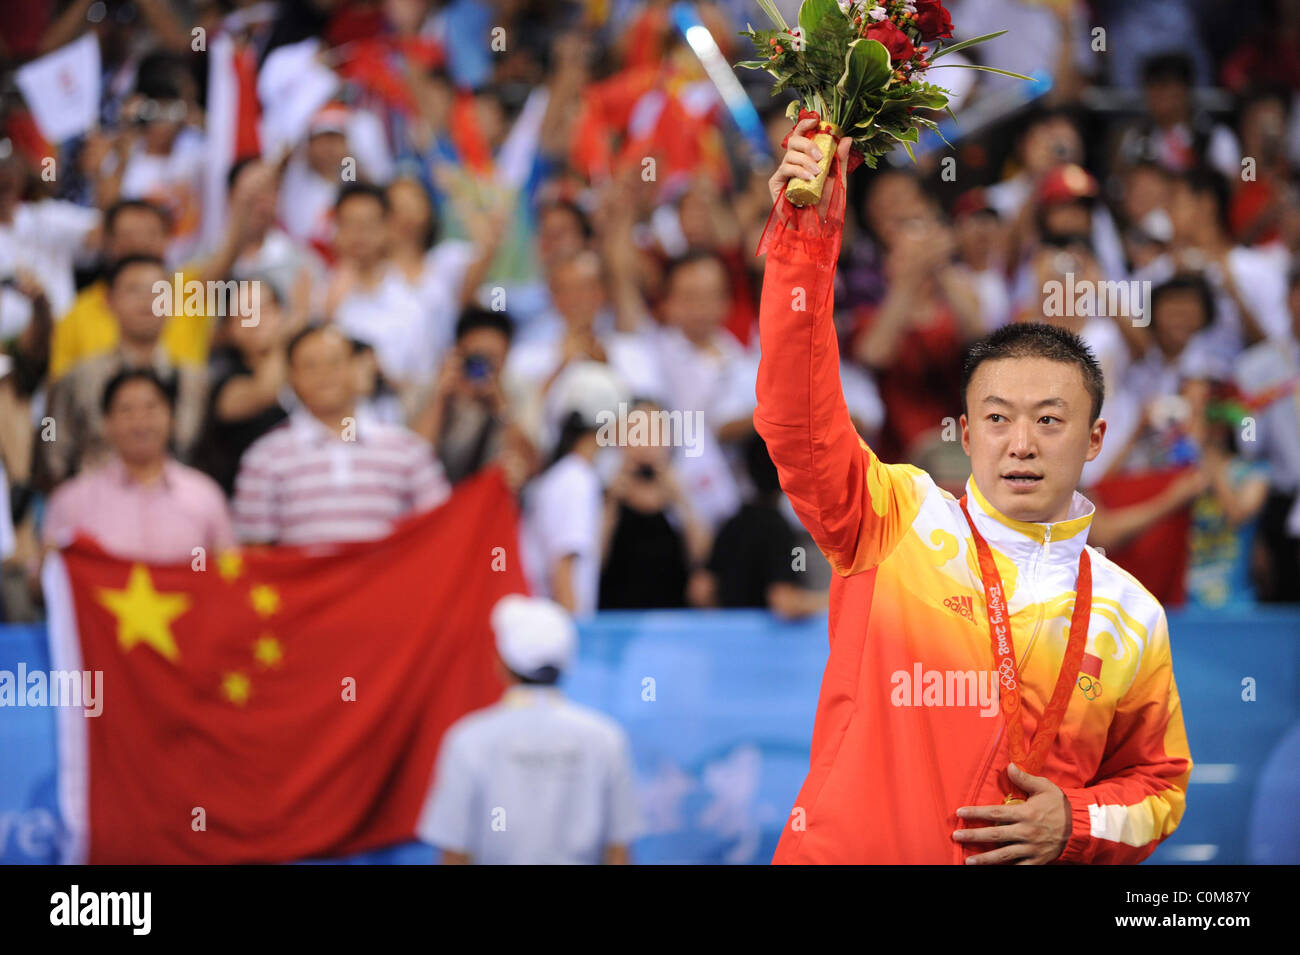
(1062, 540)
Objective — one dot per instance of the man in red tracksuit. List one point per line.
(997, 691)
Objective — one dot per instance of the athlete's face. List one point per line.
(1028, 434)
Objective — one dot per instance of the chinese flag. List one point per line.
(276, 704)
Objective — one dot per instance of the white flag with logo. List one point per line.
(62, 89)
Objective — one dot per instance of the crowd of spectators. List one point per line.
(505, 220)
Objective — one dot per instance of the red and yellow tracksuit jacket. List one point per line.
(895, 748)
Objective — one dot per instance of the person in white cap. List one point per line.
(534, 779)
(563, 507)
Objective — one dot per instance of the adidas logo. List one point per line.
(962, 606)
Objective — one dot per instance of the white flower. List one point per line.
(909, 6)
(846, 6)
(877, 13)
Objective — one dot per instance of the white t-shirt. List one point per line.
(306, 205)
(43, 239)
(174, 182)
(391, 318)
(562, 518)
(533, 780)
(438, 288)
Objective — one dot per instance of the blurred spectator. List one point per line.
(755, 556)
(1249, 287)
(377, 399)
(981, 254)
(247, 379)
(257, 248)
(163, 157)
(312, 178)
(1260, 183)
(465, 417)
(1169, 388)
(142, 504)
(368, 298)
(1268, 373)
(560, 772)
(1223, 518)
(43, 237)
(697, 354)
(584, 329)
(132, 227)
(326, 475)
(1173, 133)
(652, 538)
(76, 439)
(914, 340)
(561, 532)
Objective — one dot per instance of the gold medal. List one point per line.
(1011, 800)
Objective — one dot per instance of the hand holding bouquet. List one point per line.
(858, 67)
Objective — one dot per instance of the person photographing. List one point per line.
(1084, 759)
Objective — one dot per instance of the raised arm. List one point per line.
(855, 507)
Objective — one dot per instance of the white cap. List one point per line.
(532, 633)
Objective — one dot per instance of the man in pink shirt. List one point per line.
(143, 504)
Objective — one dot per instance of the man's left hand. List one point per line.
(1033, 832)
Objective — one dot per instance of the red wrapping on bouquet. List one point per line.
(801, 229)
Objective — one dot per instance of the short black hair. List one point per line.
(126, 262)
(693, 257)
(141, 205)
(1036, 340)
(237, 169)
(474, 317)
(1203, 181)
(354, 190)
(1192, 282)
(167, 387)
(304, 333)
(571, 207)
(1167, 66)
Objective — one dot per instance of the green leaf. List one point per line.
(792, 110)
(966, 43)
(866, 70)
(813, 12)
(985, 69)
(754, 64)
(773, 14)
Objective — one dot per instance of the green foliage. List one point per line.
(848, 80)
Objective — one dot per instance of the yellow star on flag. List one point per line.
(143, 614)
(265, 599)
(237, 688)
(230, 563)
(266, 650)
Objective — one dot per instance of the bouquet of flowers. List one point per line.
(859, 65)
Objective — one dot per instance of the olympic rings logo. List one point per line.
(1007, 674)
(1091, 687)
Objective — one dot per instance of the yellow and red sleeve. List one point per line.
(1141, 788)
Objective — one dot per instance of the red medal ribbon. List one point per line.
(1004, 653)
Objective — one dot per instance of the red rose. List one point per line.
(895, 40)
(932, 19)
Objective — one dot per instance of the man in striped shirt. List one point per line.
(324, 476)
